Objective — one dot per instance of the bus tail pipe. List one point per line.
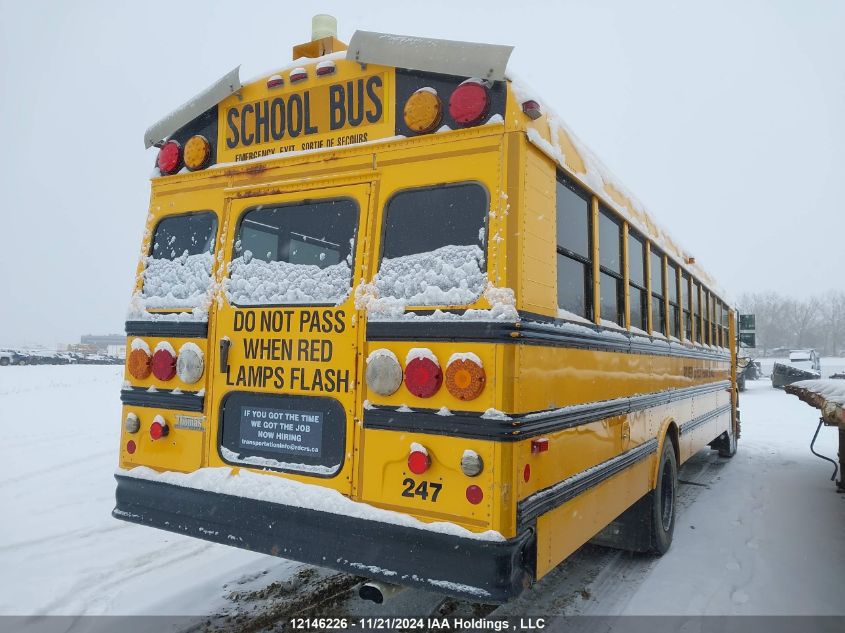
(378, 592)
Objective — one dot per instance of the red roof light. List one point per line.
(170, 158)
(469, 102)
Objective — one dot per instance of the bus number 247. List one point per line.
(423, 490)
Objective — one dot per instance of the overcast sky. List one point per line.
(727, 119)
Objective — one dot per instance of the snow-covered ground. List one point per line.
(759, 534)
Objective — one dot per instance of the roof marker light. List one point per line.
(532, 109)
(326, 67)
(298, 74)
(275, 81)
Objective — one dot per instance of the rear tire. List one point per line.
(664, 497)
(4, 362)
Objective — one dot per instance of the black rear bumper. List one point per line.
(395, 554)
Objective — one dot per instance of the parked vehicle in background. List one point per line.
(804, 364)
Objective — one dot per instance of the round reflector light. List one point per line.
(138, 363)
(469, 102)
(419, 461)
(475, 495)
(384, 373)
(190, 364)
(132, 423)
(197, 152)
(159, 428)
(423, 377)
(163, 363)
(423, 111)
(170, 158)
(471, 463)
(131, 446)
(465, 377)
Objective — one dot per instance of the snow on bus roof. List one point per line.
(559, 143)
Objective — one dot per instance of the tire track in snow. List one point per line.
(90, 594)
(48, 472)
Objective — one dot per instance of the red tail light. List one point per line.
(419, 461)
(469, 102)
(423, 377)
(164, 362)
(170, 158)
(159, 428)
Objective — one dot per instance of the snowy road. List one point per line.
(759, 534)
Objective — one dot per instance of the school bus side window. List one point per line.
(696, 307)
(177, 271)
(574, 278)
(658, 309)
(636, 274)
(294, 254)
(674, 306)
(686, 305)
(433, 249)
(612, 297)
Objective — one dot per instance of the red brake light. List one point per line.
(159, 428)
(163, 364)
(418, 462)
(170, 158)
(469, 102)
(423, 377)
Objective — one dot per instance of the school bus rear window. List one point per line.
(294, 254)
(433, 249)
(177, 272)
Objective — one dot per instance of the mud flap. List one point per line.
(630, 531)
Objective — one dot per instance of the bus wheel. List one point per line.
(665, 496)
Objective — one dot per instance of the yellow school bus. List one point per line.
(392, 317)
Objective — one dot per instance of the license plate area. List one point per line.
(299, 434)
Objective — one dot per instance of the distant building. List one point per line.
(116, 351)
(102, 341)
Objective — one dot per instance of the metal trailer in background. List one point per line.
(829, 397)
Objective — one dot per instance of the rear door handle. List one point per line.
(225, 344)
